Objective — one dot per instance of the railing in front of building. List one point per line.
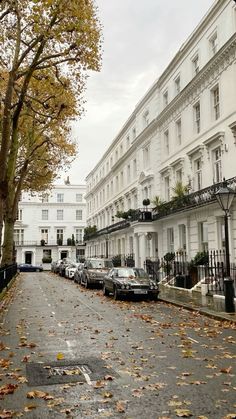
(45, 244)
(6, 275)
(187, 202)
(207, 267)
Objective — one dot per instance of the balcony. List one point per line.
(178, 204)
(51, 243)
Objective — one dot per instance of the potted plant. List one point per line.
(69, 241)
(47, 259)
(42, 242)
(59, 242)
(73, 240)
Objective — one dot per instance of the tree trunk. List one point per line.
(8, 243)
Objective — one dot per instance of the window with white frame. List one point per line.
(60, 197)
(179, 175)
(79, 197)
(134, 168)
(203, 236)
(166, 142)
(79, 215)
(213, 42)
(178, 130)
(146, 118)
(112, 188)
(197, 164)
(19, 236)
(59, 235)
(79, 235)
(221, 232)
(116, 155)
(216, 102)
(217, 170)
(134, 133)
(108, 194)
(165, 98)
(146, 156)
(121, 179)
(128, 172)
(59, 214)
(19, 215)
(167, 188)
(44, 235)
(44, 214)
(170, 240)
(177, 85)
(195, 63)
(182, 236)
(45, 197)
(197, 117)
(121, 150)
(127, 142)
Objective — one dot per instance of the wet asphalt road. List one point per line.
(140, 359)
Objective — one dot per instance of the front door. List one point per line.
(64, 254)
(28, 257)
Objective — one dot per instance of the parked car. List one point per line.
(55, 266)
(28, 267)
(78, 273)
(129, 282)
(62, 266)
(70, 270)
(94, 271)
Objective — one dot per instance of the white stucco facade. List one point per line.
(48, 222)
(182, 130)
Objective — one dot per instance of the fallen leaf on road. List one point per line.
(8, 389)
(226, 370)
(120, 407)
(183, 413)
(107, 395)
(60, 356)
(29, 407)
(6, 414)
(25, 358)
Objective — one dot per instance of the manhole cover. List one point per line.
(60, 372)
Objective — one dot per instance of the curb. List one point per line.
(200, 310)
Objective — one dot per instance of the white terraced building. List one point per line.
(51, 225)
(183, 130)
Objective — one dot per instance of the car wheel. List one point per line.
(86, 284)
(37, 270)
(105, 291)
(154, 297)
(116, 294)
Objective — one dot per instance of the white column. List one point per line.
(136, 249)
(142, 250)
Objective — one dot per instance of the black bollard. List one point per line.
(229, 295)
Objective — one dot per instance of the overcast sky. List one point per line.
(140, 39)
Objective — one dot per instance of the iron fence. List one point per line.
(207, 267)
(6, 274)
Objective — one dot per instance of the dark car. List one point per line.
(94, 271)
(78, 273)
(27, 267)
(129, 282)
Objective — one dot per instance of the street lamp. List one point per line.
(225, 196)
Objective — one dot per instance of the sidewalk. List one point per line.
(208, 306)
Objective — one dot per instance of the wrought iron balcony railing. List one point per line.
(177, 204)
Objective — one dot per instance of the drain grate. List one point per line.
(61, 372)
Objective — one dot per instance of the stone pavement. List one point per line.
(195, 301)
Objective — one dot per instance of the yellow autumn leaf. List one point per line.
(60, 356)
(183, 413)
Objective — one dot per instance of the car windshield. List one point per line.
(99, 264)
(129, 272)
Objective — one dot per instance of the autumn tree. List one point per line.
(44, 146)
(59, 36)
